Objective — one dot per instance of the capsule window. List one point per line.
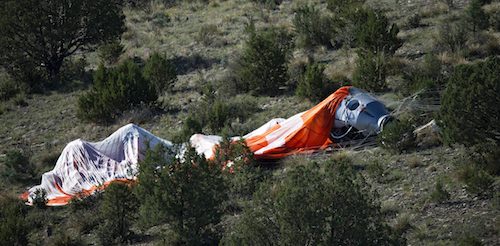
(353, 104)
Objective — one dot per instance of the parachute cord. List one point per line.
(343, 135)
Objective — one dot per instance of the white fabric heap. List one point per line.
(84, 166)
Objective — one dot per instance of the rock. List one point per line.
(428, 135)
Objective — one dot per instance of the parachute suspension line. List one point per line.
(342, 135)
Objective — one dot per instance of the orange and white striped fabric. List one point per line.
(302, 133)
(85, 167)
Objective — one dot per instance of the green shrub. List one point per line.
(452, 36)
(160, 72)
(262, 65)
(313, 27)
(397, 136)
(242, 175)
(313, 205)
(185, 193)
(13, 225)
(476, 17)
(115, 90)
(426, 74)
(17, 166)
(8, 87)
(117, 212)
(313, 85)
(467, 113)
(477, 180)
(213, 114)
(110, 52)
(77, 27)
(371, 71)
(40, 198)
(439, 194)
(375, 34)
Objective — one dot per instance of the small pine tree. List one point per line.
(13, 226)
(187, 193)
(476, 17)
(313, 85)
(376, 35)
(468, 113)
(314, 205)
(313, 27)
(371, 71)
(193, 194)
(114, 91)
(147, 188)
(262, 66)
(397, 136)
(17, 166)
(242, 175)
(110, 52)
(40, 198)
(117, 211)
(160, 72)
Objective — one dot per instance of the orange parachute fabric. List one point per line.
(302, 133)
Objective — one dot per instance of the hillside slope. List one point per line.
(44, 123)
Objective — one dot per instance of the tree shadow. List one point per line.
(187, 64)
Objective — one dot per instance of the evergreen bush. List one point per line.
(115, 90)
(313, 27)
(468, 113)
(117, 213)
(17, 166)
(375, 34)
(371, 71)
(242, 175)
(213, 114)
(313, 85)
(262, 65)
(8, 87)
(110, 52)
(426, 74)
(475, 16)
(160, 72)
(397, 136)
(13, 225)
(452, 37)
(313, 205)
(187, 193)
(40, 198)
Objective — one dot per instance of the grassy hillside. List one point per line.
(203, 40)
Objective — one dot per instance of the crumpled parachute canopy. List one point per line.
(84, 167)
(302, 133)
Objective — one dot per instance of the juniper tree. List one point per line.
(41, 34)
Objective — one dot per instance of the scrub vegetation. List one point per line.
(225, 67)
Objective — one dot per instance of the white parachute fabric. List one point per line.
(204, 144)
(84, 167)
